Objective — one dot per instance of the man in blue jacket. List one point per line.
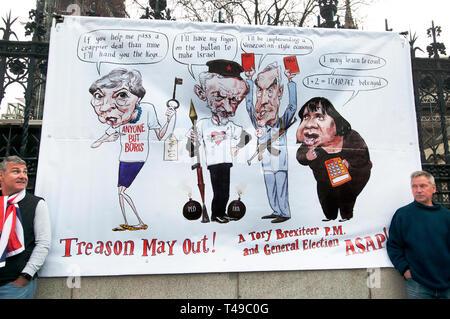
(419, 242)
(265, 118)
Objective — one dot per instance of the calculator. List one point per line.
(337, 171)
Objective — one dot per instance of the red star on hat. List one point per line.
(228, 67)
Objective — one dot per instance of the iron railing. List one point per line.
(432, 98)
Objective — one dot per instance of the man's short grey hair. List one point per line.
(11, 159)
(273, 66)
(206, 76)
(425, 174)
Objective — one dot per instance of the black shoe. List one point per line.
(327, 220)
(270, 216)
(344, 219)
(230, 219)
(220, 220)
(280, 219)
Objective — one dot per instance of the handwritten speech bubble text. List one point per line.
(351, 61)
(274, 44)
(337, 82)
(197, 48)
(122, 47)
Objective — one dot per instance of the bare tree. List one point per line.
(299, 13)
(269, 12)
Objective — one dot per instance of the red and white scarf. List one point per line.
(11, 230)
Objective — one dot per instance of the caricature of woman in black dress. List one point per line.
(337, 155)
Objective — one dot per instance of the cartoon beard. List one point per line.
(222, 116)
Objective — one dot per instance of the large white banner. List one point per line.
(173, 147)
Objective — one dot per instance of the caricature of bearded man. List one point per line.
(223, 89)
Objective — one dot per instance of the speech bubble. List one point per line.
(197, 48)
(274, 44)
(336, 82)
(119, 46)
(351, 61)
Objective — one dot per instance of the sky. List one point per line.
(414, 16)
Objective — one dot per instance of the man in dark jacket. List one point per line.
(418, 243)
(24, 232)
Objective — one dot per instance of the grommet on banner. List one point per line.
(58, 18)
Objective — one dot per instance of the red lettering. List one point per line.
(133, 128)
(88, 248)
(160, 249)
(369, 243)
(117, 248)
(187, 246)
(68, 245)
(360, 245)
(349, 247)
(80, 244)
(365, 244)
(108, 248)
(131, 249)
(133, 147)
(195, 247)
(151, 247)
(133, 138)
(380, 239)
(99, 248)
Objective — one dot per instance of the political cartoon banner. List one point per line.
(178, 147)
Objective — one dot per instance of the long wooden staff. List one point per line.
(198, 166)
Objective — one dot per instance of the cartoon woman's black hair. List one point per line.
(323, 104)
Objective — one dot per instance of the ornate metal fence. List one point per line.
(432, 97)
(25, 63)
